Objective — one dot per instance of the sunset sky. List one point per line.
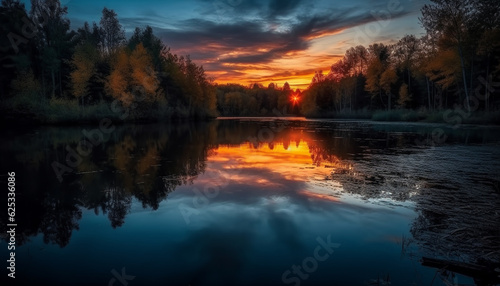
(246, 41)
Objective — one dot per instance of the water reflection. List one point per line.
(141, 162)
(241, 193)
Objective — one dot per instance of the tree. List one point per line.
(318, 77)
(357, 58)
(51, 62)
(340, 69)
(28, 92)
(86, 34)
(451, 19)
(143, 76)
(133, 78)
(444, 68)
(17, 50)
(389, 77)
(284, 97)
(84, 63)
(424, 58)
(405, 54)
(151, 43)
(118, 81)
(380, 74)
(488, 18)
(112, 32)
(52, 38)
(404, 96)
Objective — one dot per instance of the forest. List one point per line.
(451, 72)
(454, 66)
(51, 73)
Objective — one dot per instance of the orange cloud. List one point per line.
(297, 68)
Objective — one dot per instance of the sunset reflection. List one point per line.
(293, 158)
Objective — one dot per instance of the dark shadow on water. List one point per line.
(455, 195)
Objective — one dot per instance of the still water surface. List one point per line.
(241, 201)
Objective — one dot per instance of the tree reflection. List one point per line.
(146, 163)
(118, 205)
(59, 220)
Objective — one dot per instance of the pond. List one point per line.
(246, 201)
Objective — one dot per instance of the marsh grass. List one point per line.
(30, 108)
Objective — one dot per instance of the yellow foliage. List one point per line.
(444, 68)
(121, 153)
(84, 67)
(133, 75)
(143, 74)
(146, 162)
(388, 78)
(374, 72)
(27, 92)
(118, 80)
(404, 96)
(26, 84)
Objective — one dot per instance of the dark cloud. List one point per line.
(282, 7)
(227, 33)
(252, 41)
(220, 34)
(223, 8)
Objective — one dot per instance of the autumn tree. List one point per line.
(143, 76)
(133, 78)
(405, 55)
(357, 59)
(424, 57)
(380, 74)
(404, 96)
(451, 20)
(151, 43)
(118, 81)
(84, 63)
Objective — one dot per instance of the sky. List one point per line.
(261, 41)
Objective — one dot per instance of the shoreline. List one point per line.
(447, 117)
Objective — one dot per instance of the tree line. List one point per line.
(53, 73)
(256, 100)
(455, 65)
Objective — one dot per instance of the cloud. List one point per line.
(222, 34)
(282, 7)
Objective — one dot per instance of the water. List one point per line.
(241, 201)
